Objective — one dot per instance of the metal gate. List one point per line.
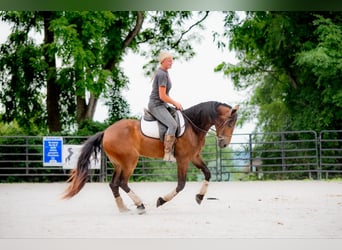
(280, 155)
(283, 155)
(330, 151)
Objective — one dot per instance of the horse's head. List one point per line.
(225, 124)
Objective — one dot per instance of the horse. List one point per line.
(123, 143)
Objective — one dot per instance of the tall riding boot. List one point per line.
(169, 141)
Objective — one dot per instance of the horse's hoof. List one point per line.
(160, 201)
(124, 210)
(199, 198)
(141, 209)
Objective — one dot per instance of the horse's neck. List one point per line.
(203, 114)
(199, 124)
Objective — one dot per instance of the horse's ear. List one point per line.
(234, 110)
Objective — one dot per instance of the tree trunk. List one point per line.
(81, 108)
(91, 107)
(84, 110)
(87, 111)
(128, 40)
(53, 90)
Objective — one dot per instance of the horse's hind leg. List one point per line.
(128, 165)
(114, 186)
(119, 180)
(135, 198)
(126, 173)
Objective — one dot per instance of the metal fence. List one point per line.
(283, 155)
(271, 155)
(330, 152)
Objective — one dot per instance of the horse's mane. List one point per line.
(203, 113)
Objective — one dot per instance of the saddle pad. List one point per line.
(151, 128)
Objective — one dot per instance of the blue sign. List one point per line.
(52, 151)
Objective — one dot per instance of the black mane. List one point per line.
(203, 114)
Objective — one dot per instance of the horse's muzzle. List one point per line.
(222, 142)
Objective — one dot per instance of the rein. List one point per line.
(194, 125)
(221, 137)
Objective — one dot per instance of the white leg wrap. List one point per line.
(121, 206)
(134, 198)
(170, 196)
(204, 187)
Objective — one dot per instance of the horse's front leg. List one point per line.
(181, 172)
(199, 163)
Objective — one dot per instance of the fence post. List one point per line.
(283, 155)
(26, 156)
(218, 161)
(250, 153)
(103, 167)
(318, 155)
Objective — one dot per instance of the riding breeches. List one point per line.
(162, 114)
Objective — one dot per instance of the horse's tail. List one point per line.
(79, 175)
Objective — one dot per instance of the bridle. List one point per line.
(228, 122)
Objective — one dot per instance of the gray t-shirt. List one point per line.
(161, 79)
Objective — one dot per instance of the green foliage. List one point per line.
(291, 63)
(89, 127)
(118, 106)
(324, 62)
(78, 61)
(13, 128)
(20, 85)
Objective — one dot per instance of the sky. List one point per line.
(194, 81)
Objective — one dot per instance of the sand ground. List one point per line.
(234, 210)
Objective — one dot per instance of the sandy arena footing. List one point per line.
(235, 210)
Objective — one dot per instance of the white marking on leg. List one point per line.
(170, 196)
(204, 187)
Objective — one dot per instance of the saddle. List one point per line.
(151, 127)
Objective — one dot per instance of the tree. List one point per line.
(53, 90)
(291, 62)
(79, 60)
(22, 74)
(324, 62)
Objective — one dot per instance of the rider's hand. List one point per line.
(178, 106)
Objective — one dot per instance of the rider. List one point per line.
(159, 100)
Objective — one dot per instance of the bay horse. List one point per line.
(123, 143)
